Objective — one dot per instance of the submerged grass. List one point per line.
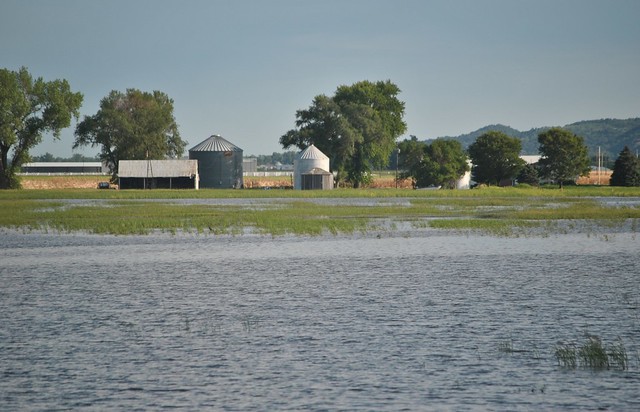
(499, 211)
(487, 192)
(593, 354)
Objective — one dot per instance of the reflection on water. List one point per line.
(353, 322)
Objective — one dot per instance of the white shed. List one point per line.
(158, 174)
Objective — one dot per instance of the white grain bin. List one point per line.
(464, 182)
(312, 162)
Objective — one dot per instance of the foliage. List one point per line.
(495, 157)
(410, 157)
(286, 158)
(440, 163)
(76, 157)
(528, 175)
(356, 128)
(593, 354)
(626, 171)
(28, 109)
(609, 134)
(564, 156)
(132, 125)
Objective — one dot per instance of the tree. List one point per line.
(495, 157)
(134, 125)
(529, 175)
(564, 156)
(47, 157)
(410, 158)
(357, 128)
(626, 170)
(440, 163)
(444, 163)
(28, 109)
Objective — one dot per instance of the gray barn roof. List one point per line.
(215, 143)
(157, 168)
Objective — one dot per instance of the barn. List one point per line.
(219, 163)
(158, 174)
(311, 170)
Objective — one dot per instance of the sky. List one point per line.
(242, 68)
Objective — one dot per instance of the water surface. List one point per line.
(415, 321)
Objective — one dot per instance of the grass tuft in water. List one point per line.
(506, 347)
(566, 355)
(593, 354)
(618, 358)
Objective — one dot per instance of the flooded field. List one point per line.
(418, 319)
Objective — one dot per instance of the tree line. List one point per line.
(495, 160)
(128, 125)
(76, 157)
(357, 128)
(610, 135)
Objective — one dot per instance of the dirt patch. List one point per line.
(596, 178)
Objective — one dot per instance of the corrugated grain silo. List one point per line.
(219, 163)
(311, 170)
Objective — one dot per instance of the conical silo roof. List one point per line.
(215, 143)
(311, 153)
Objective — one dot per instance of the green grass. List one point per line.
(499, 211)
(484, 193)
(593, 354)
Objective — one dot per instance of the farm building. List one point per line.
(219, 163)
(61, 168)
(465, 181)
(311, 170)
(250, 165)
(158, 174)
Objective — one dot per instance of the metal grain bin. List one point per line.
(312, 167)
(219, 163)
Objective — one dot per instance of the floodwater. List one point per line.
(412, 321)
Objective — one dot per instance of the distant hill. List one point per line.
(611, 135)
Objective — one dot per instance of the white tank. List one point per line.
(465, 181)
(308, 159)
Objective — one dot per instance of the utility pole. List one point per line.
(599, 163)
(397, 157)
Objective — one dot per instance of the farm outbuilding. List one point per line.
(158, 174)
(219, 163)
(311, 170)
(68, 168)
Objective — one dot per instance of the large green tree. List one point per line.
(440, 163)
(411, 153)
(495, 157)
(132, 126)
(529, 175)
(28, 109)
(626, 171)
(357, 128)
(564, 156)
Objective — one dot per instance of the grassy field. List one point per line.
(503, 211)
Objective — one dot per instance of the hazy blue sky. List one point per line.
(242, 68)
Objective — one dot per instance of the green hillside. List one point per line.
(611, 135)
